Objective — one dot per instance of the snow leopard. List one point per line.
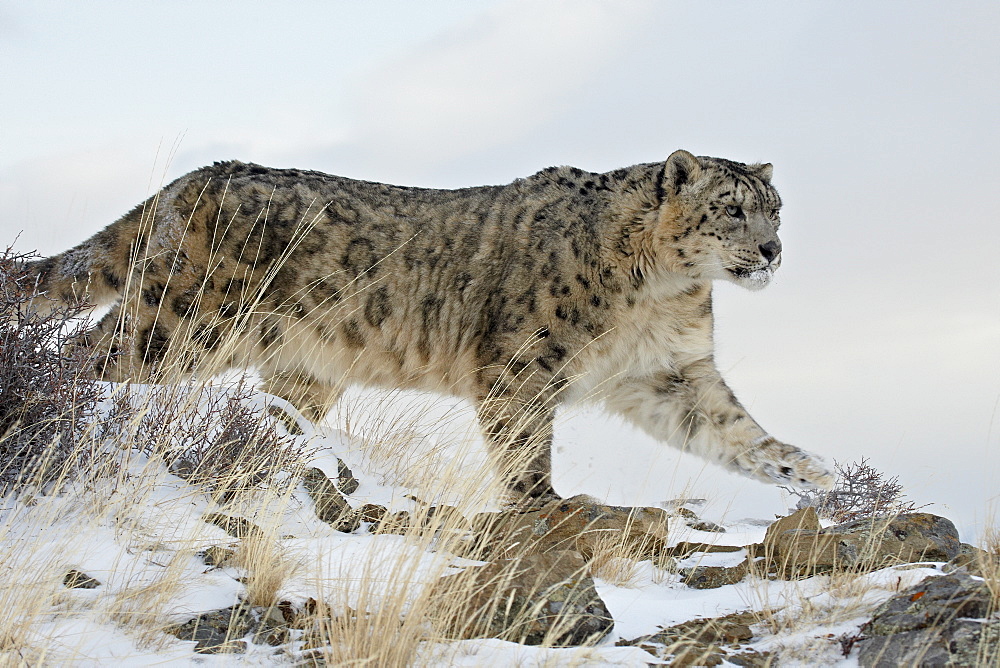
(561, 286)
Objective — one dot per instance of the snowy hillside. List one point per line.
(105, 570)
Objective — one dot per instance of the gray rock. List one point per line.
(346, 482)
(974, 561)
(866, 544)
(237, 527)
(932, 602)
(331, 507)
(691, 519)
(942, 621)
(910, 648)
(684, 548)
(218, 631)
(383, 521)
(75, 579)
(531, 599)
(217, 555)
(705, 525)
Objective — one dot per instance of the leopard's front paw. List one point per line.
(770, 460)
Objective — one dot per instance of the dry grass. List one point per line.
(408, 441)
(613, 567)
(378, 619)
(233, 456)
(988, 562)
(381, 615)
(385, 611)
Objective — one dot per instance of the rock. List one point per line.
(531, 599)
(974, 561)
(941, 621)
(577, 524)
(222, 631)
(705, 642)
(75, 579)
(684, 513)
(705, 525)
(713, 577)
(684, 548)
(237, 527)
(331, 507)
(372, 512)
(669, 559)
(285, 419)
(676, 506)
(227, 647)
(382, 520)
(346, 482)
(860, 545)
(801, 520)
(217, 555)
(752, 659)
(934, 600)
(218, 631)
(691, 519)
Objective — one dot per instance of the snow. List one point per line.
(139, 534)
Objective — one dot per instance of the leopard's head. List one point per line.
(719, 220)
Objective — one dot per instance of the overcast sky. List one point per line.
(881, 335)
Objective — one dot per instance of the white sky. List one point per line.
(881, 336)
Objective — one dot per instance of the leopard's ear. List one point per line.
(681, 168)
(765, 171)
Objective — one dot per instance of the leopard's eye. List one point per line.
(734, 211)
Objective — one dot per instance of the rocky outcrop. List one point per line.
(861, 545)
(797, 546)
(947, 620)
(579, 524)
(532, 599)
(705, 642)
(535, 587)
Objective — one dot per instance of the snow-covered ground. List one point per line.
(139, 532)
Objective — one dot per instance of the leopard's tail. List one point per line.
(101, 269)
(96, 271)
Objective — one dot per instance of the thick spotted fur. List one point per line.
(563, 285)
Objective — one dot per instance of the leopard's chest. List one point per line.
(660, 331)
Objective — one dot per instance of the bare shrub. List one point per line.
(861, 491)
(46, 391)
(212, 436)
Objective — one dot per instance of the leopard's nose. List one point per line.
(770, 250)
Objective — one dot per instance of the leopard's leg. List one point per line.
(518, 427)
(311, 397)
(692, 408)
